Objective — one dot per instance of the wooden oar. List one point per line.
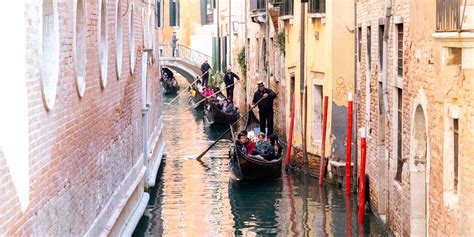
(218, 139)
(190, 85)
(207, 97)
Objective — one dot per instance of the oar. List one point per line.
(218, 139)
(180, 93)
(193, 106)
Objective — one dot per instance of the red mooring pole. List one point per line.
(323, 142)
(362, 178)
(349, 145)
(290, 136)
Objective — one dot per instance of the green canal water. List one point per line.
(194, 198)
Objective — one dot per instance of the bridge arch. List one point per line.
(183, 60)
(188, 72)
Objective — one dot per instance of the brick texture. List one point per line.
(81, 150)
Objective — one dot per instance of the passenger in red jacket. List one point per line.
(247, 143)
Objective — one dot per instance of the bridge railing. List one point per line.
(184, 53)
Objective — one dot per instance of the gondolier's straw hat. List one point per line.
(260, 82)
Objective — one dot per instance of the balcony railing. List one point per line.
(448, 15)
(276, 2)
(317, 6)
(286, 8)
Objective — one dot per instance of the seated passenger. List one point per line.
(261, 138)
(250, 145)
(275, 144)
(208, 91)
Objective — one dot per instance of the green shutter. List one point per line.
(158, 13)
(203, 12)
(172, 13)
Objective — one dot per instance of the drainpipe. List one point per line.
(230, 33)
(388, 14)
(145, 108)
(354, 131)
(267, 41)
(218, 38)
(302, 87)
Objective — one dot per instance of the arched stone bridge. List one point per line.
(185, 61)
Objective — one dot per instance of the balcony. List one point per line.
(258, 11)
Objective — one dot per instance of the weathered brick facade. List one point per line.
(420, 202)
(265, 61)
(84, 160)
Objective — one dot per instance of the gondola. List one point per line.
(248, 167)
(196, 99)
(168, 82)
(212, 114)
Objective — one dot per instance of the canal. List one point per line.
(194, 198)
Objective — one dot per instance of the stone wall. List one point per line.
(84, 155)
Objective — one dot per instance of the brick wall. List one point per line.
(369, 13)
(82, 149)
(427, 83)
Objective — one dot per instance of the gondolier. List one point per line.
(205, 68)
(265, 107)
(229, 83)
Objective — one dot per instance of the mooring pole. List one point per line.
(362, 178)
(323, 142)
(349, 144)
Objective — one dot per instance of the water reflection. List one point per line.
(255, 206)
(196, 198)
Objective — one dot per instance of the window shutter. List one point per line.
(203, 12)
(172, 13)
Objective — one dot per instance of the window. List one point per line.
(131, 38)
(257, 5)
(456, 154)
(398, 175)
(174, 12)
(381, 54)
(103, 44)
(369, 46)
(258, 54)
(381, 133)
(207, 12)
(79, 41)
(118, 39)
(317, 6)
(248, 52)
(264, 54)
(286, 8)
(158, 13)
(50, 53)
(359, 43)
(400, 50)
(317, 112)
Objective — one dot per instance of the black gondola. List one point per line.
(248, 167)
(168, 82)
(196, 100)
(213, 114)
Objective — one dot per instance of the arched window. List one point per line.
(103, 44)
(79, 47)
(50, 52)
(131, 39)
(118, 39)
